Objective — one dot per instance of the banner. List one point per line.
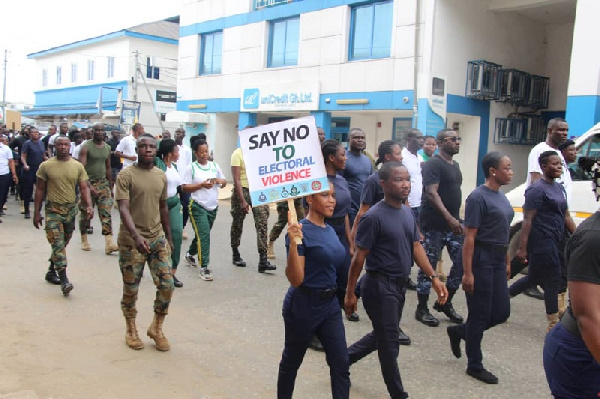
(130, 113)
(283, 160)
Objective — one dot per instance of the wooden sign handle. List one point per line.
(293, 216)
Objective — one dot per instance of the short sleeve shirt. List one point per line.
(127, 146)
(322, 253)
(389, 234)
(449, 179)
(197, 173)
(490, 213)
(185, 159)
(533, 165)
(5, 156)
(358, 169)
(372, 192)
(342, 196)
(237, 159)
(35, 153)
(96, 159)
(413, 164)
(550, 201)
(61, 177)
(144, 188)
(583, 252)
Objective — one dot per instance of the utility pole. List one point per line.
(4, 91)
(162, 127)
(135, 76)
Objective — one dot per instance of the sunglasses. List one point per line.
(453, 138)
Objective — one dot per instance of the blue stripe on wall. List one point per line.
(70, 96)
(583, 112)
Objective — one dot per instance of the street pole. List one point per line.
(162, 127)
(135, 76)
(4, 91)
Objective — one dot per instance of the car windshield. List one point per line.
(587, 155)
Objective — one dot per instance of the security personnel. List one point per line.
(486, 264)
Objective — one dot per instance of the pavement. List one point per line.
(226, 336)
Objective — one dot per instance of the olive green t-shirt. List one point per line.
(95, 165)
(61, 177)
(144, 188)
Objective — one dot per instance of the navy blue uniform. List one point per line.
(389, 234)
(571, 370)
(490, 213)
(312, 309)
(547, 229)
(372, 192)
(358, 169)
(35, 156)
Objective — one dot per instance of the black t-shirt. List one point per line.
(583, 252)
(17, 144)
(490, 213)
(45, 141)
(372, 192)
(449, 178)
(115, 161)
(389, 233)
(547, 227)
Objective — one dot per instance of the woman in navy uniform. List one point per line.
(486, 263)
(310, 306)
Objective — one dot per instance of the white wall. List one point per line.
(222, 131)
(585, 61)
(558, 56)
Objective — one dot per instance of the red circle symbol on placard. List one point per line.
(316, 185)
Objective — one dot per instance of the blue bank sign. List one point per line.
(282, 97)
(260, 4)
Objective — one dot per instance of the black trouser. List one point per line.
(27, 182)
(563, 264)
(4, 187)
(383, 300)
(343, 267)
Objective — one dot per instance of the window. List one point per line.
(44, 77)
(587, 155)
(58, 75)
(371, 31)
(210, 59)
(111, 67)
(401, 128)
(73, 73)
(91, 69)
(283, 42)
(152, 72)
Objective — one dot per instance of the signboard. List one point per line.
(436, 112)
(260, 4)
(131, 112)
(283, 160)
(165, 101)
(281, 97)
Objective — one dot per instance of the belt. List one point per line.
(313, 292)
(335, 221)
(492, 247)
(570, 324)
(400, 281)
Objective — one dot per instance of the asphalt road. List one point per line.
(226, 335)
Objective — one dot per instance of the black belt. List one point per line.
(570, 324)
(335, 221)
(492, 247)
(313, 292)
(400, 281)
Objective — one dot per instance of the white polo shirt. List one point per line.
(127, 147)
(413, 164)
(185, 159)
(195, 174)
(5, 156)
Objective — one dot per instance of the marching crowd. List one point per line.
(379, 215)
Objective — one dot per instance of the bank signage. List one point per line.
(260, 4)
(165, 101)
(281, 97)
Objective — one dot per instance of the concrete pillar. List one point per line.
(323, 119)
(245, 119)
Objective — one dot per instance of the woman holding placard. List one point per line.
(310, 306)
(202, 179)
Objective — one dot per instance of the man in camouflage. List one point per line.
(95, 157)
(141, 192)
(57, 178)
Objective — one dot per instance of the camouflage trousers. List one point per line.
(60, 224)
(132, 262)
(261, 217)
(434, 241)
(282, 217)
(104, 201)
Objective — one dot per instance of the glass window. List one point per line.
(283, 42)
(212, 45)
(58, 75)
(73, 73)
(152, 72)
(587, 155)
(371, 31)
(44, 77)
(91, 65)
(111, 67)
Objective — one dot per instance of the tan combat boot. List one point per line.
(270, 251)
(155, 332)
(439, 270)
(132, 338)
(552, 321)
(109, 246)
(85, 246)
(562, 304)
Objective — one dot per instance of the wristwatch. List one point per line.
(430, 278)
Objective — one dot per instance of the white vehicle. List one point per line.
(583, 202)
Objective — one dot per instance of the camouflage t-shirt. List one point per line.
(61, 177)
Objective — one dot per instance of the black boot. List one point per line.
(264, 265)
(237, 259)
(448, 309)
(51, 275)
(65, 285)
(422, 314)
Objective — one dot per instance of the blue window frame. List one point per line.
(283, 42)
(371, 31)
(211, 53)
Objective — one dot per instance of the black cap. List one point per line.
(566, 144)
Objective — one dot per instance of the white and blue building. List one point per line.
(71, 78)
(495, 70)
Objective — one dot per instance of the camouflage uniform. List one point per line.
(261, 217)
(60, 224)
(104, 201)
(282, 217)
(434, 242)
(132, 262)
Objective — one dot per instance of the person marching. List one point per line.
(388, 239)
(486, 263)
(95, 157)
(310, 306)
(141, 192)
(56, 179)
(33, 154)
(545, 216)
(202, 180)
(166, 160)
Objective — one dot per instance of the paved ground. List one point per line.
(226, 336)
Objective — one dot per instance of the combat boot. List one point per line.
(422, 313)
(552, 321)
(562, 304)
(51, 275)
(448, 309)
(132, 338)
(270, 251)
(85, 246)
(65, 285)
(264, 265)
(237, 259)
(109, 246)
(155, 332)
(439, 270)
